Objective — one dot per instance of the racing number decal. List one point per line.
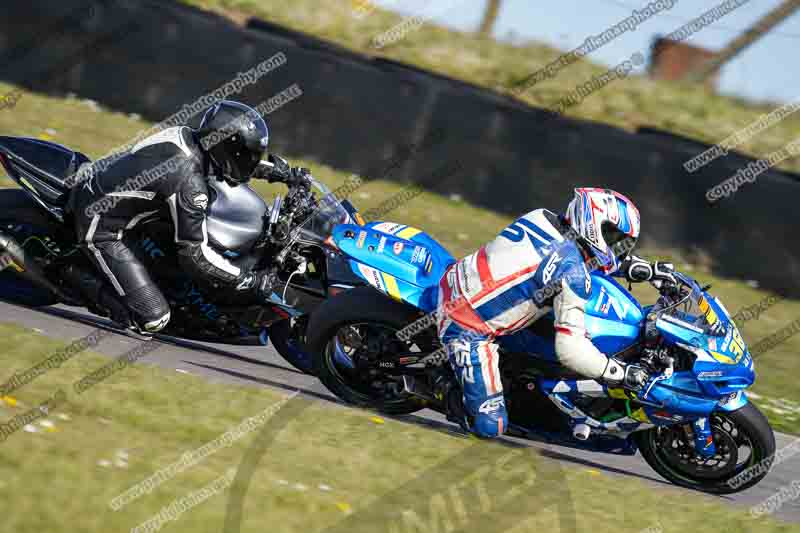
(737, 344)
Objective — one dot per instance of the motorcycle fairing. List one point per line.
(398, 260)
(723, 366)
(613, 317)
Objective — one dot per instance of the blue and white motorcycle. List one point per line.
(693, 425)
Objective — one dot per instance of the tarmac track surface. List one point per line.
(260, 366)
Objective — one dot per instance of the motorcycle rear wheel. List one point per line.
(674, 459)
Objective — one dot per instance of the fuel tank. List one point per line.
(614, 318)
(236, 216)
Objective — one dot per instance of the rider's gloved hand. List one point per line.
(635, 269)
(262, 282)
(630, 376)
(282, 172)
(301, 176)
(663, 273)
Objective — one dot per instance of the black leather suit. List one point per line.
(163, 176)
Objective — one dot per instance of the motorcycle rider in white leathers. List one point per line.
(538, 263)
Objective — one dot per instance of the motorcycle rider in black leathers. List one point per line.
(165, 176)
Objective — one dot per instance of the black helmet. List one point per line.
(235, 137)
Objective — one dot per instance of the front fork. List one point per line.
(703, 438)
(703, 434)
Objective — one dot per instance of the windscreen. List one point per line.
(328, 213)
(700, 308)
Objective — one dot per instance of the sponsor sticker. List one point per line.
(667, 416)
(587, 280)
(550, 268)
(419, 255)
(491, 405)
(727, 341)
(381, 245)
(397, 248)
(373, 277)
(362, 235)
(389, 227)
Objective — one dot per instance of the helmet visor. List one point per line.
(619, 242)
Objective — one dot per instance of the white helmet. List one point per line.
(608, 223)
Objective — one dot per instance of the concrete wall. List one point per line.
(357, 112)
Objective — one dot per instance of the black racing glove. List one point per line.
(281, 172)
(636, 270)
(261, 282)
(663, 273)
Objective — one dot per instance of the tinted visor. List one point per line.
(252, 147)
(620, 242)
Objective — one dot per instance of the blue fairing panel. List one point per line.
(613, 318)
(681, 393)
(401, 261)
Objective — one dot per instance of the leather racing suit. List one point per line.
(163, 176)
(509, 283)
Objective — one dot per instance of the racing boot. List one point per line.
(101, 300)
(447, 390)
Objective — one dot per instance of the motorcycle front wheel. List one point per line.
(287, 337)
(743, 440)
(351, 336)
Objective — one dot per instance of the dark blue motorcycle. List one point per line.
(41, 260)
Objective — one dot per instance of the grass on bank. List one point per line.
(310, 467)
(460, 227)
(681, 108)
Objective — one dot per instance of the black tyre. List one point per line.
(367, 317)
(743, 439)
(287, 337)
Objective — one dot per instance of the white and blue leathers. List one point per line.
(509, 283)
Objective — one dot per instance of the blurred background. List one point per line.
(379, 77)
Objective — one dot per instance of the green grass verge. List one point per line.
(311, 466)
(681, 108)
(457, 225)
